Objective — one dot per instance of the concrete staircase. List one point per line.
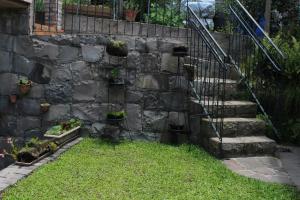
(243, 133)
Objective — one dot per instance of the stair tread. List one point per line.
(215, 80)
(243, 140)
(226, 103)
(235, 119)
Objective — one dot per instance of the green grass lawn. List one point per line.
(140, 170)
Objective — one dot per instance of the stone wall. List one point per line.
(15, 21)
(70, 72)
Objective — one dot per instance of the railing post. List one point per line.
(53, 14)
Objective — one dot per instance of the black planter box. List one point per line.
(117, 51)
(180, 51)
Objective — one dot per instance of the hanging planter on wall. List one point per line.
(13, 98)
(180, 51)
(45, 107)
(114, 78)
(115, 117)
(173, 128)
(24, 86)
(117, 48)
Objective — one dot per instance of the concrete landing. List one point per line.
(284, 170)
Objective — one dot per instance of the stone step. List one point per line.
(245, 109)
(242, 146)
(212, 69)
(236, 127)
(214, 87)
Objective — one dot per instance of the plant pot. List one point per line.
(65, 137)
(130, 15)
(40, 17)
(120, 51)
(112, 119)
(30, 155)
(180, 51)
(13, 98)
(45, 107)
(25, 88)
(176, 128)
(116, 82)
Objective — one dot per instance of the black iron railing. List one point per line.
(128, 17)
(258, 61)
(209, 62)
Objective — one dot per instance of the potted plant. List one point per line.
(114, 78)
(34, 151)
(24, 86)
(131, 8)
(180, 51)
(45, 107)
(64, 132)
(117, 48)
(13, 98)
(39, 12)
(115, 117)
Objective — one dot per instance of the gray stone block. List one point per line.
(37, 91)
(60, 92)
(167, 45)
(80, 71)
(150, 62)
(68, 54)
(28, 123)
(23, 46)
(154, 121)
(86, 111)
(6, 42)
(57, 113)
(152, 44)
(45, 49)
(62, 74)
(174, 101)
(5, 61)
(97, 129)
(153, 81)
(169, 63)
(85, 91)
(5, 106)
(8, 126)
(152, 101)
(134, 117)
(141, 45)
(22, 65)
(29, 106)
(8, 83)
(41, 73)
(178, 118)
(133, 59)
(92, 53)
(133, 96)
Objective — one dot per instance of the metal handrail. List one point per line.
(260, 28)
(208, 33)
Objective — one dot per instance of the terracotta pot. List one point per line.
(130, 15)
(45, 107)
(13, 98)
(24, 88)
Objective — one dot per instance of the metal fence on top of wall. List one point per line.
(130, 17)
